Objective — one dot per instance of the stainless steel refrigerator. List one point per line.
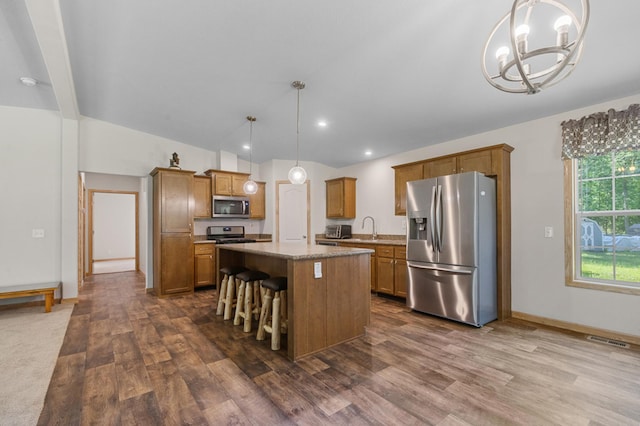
(451, 247)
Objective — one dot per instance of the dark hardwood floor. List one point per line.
(130, 358)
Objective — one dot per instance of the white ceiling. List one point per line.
(387, 75)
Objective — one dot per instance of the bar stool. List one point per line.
(273, 316)
(227, 290)
(249, 297)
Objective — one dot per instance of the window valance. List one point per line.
(602, 133)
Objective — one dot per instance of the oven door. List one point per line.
(230, 207)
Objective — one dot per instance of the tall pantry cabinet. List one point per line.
(173, 204)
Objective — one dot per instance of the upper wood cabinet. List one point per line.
(257, 208)
(202, 196)
(494, 161)
(227, 183)
(341, 198)
(404, 174)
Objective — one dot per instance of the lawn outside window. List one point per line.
(602, 202)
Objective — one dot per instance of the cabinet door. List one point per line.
(222, 184)
(176, 202)
(400, 278)
(385, 274)
(202, 196)
(176, 272)
(257, 203)
(440, 167)
(204, 272)
(403, 175)
(475, 162)
(237, 183)
(335, 198)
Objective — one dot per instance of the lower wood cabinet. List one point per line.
(391, 270)
(176, 270)
(204, 265)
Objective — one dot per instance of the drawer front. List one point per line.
(384, 251)
(400, 252)
(203, 249)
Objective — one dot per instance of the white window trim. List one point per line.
(570, 201)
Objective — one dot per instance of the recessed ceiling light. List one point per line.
(368, 153)
(322, 123)
(246, 147)
(28, 81)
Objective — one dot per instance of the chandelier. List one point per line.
(530, 64)
(297, 175)
(250, 187)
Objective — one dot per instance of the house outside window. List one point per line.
(602, 210)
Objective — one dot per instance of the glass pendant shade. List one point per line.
(297, 175)
(250, 187)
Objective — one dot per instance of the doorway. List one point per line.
(112, 231)
(293, 219)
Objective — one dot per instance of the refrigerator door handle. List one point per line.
(441, 268)
(439, 216)
(432, 217)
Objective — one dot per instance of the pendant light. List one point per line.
(250, 187)
(297, 175)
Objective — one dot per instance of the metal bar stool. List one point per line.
(273, 316)
(249, 297)
(226, 292)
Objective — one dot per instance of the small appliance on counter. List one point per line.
(227, 234)
(337, 231)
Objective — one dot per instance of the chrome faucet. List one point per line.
(374, 236)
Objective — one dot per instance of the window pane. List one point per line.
(627, 163)
(595, 166)
(595, 195)
(628, 193)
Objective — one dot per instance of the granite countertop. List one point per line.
(367, 241)
(295, 251)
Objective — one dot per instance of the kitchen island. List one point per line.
(328, 294)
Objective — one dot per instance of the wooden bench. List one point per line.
(25, 290)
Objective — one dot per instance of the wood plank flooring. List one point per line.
(130, 358)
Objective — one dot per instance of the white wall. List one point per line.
(114, 226)
(30, 196)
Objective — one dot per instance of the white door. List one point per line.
(292, 213)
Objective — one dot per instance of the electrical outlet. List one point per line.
(317, 269)
(37, 233)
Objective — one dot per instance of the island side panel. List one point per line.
(307, 308)
(348, 297)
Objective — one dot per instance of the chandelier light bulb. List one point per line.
(562, 23)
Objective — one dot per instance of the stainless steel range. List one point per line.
(227, 234)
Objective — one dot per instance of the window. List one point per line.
(602, 212)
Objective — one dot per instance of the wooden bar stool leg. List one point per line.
(264, 314)
(240, 302)
(275, 323)
(231, 287)
(222, 294)
(248, 314)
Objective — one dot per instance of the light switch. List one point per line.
(317, 269)
(548, 232)
(37, 233)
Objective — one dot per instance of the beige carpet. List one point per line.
(30, 341)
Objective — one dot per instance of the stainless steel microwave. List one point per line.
(230, 207)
